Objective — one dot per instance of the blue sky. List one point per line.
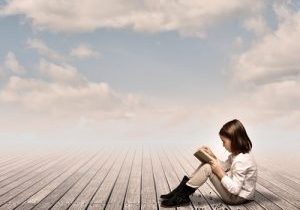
(133, 61)
(149, 70)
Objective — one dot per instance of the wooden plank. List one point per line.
(84, 198)
(66, 200)
(265, 202)
(24, 159)
(280, 178)
(117, 196)
(27, 182)
(25, 162)
(9, 161)
(21, 169)
(290, 177)
(13, 155)
(282, 203)
(35, 173)
(160, 180)
(275, 167)
(21, 193)
(127, 185)
(133, 195)
(13, 165)
(35, 187)
(292, 188)
(47, 197)
(280, 192)
(102, 196)
(5, 157)
(148, 193)
(24, 169)
(15, 168)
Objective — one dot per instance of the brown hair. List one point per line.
(236, 133)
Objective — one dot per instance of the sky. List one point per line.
(156, 71)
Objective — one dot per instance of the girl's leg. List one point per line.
(200, 176)
(227, 197)
(190, 176)
(202, 173)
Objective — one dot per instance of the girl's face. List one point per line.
(226, 143)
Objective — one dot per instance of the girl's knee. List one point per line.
(207, 168)
(207, 165)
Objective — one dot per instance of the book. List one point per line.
(203, 156)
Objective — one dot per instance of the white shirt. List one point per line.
(241, 175)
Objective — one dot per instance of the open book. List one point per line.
(203, 156)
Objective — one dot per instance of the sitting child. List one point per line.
(234, 179)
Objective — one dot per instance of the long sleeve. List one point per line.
(226, 164)
(235, 182)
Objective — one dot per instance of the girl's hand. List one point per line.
(208, 150)
(217, 168)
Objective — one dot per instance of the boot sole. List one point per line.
(178, 205)
(163, 198)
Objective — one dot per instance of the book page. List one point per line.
(203, 156)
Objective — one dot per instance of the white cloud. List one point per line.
(267, 74)
(44, 50)
(238, 42)
(83, 51)
(188, 17)
(67, 93)
(270, 105)
(60, 99)
(283, 97)
(38, 95)
(273, 57)
(283, 10)
(62, 74)
(257, 24)
(13, 64)
(93, 111)
(60, 102)
(270, 67)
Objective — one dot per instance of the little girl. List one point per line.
(234, 179)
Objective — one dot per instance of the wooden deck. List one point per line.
(129, 178)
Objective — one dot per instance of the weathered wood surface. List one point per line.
(124, 177)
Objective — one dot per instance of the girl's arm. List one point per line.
(208, 150)
(226, 164)
(234, 183)
(217, 169)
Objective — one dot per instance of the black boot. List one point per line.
(184, 180)
(180, 198)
